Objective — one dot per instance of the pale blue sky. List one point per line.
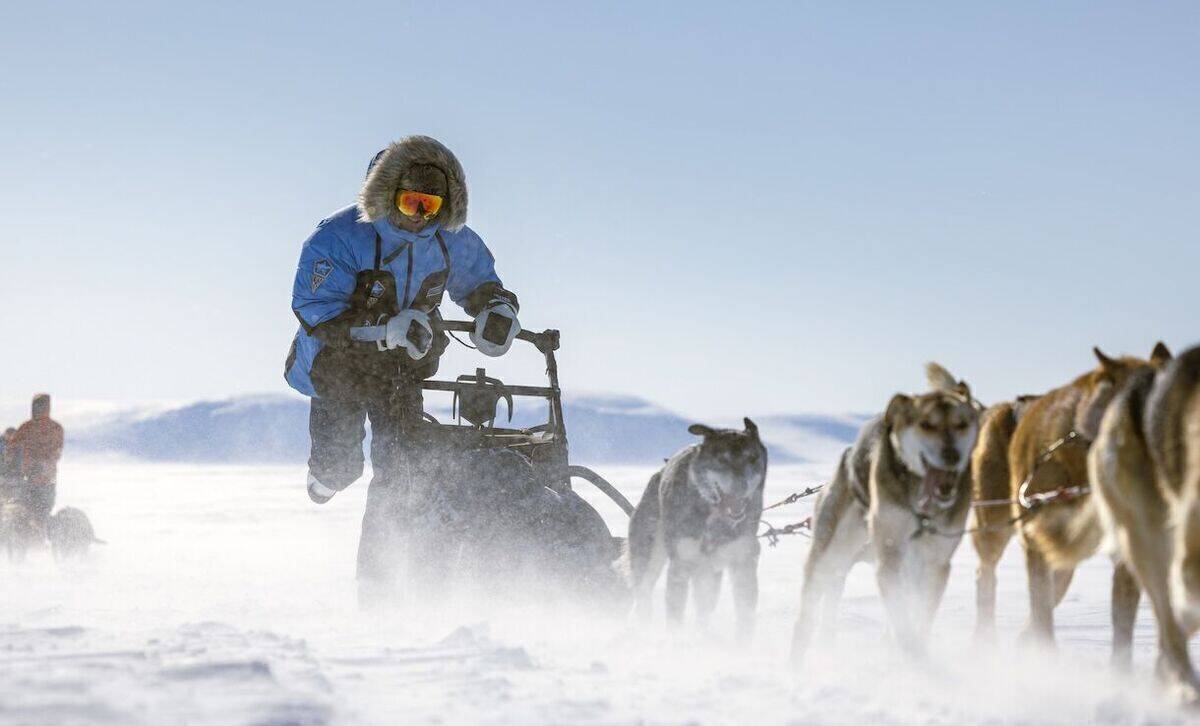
(726, 208)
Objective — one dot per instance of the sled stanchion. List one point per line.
(602, 484)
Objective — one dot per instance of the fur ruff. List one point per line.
(377, 200)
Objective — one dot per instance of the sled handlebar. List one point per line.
(545, 341)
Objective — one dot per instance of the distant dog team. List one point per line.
(68, 531)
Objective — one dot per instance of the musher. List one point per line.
(367, 291)
(32, 454)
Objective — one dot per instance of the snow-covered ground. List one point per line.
(225, 597)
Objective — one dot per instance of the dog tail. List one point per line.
(97, 540)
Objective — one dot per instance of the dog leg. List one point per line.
(1153, 550)
(1148, 548)
(706, 586)
(932, 591)
(1040, 628)
(812, 592)
(896, 599)
(985, 602)
(831, 605)
(744, 581)
(645, 575)
(1125, 596)
(830, 559)
(679, 574)
(989, 546)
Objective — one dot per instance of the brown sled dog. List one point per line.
(1049, 454)
(1145, 465)
(991, 524)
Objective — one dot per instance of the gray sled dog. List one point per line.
(900, 497)
(20, 530)
(1145, 467)
(70, 533)
(699, 517)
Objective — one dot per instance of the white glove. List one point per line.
(410, 330)
(495, 328)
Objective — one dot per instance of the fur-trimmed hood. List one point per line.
(377, 199)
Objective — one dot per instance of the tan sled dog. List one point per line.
(1048, 455)
(1145, 465)
(900, 497)
(991, 524)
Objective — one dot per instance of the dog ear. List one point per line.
(939, 378)
(1108, 365)
(751, 427)
(962, 389)
(1160, 356)
(900, 406)
(701, 430)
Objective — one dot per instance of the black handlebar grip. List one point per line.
(418, 336)
(496, 329)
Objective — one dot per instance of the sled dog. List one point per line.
(1048, 454)
(900, 496)
(699, 517)
(20, 529)
(70, 533)
(1145, 467)
(991, 523)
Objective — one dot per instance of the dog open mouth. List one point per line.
(724, 520)
(938, 487)
(733, 508)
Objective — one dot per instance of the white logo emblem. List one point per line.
(321, 270)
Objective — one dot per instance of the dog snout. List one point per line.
(950, 456)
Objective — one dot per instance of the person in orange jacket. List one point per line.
(37, 446)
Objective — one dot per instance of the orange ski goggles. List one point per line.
(411, 203)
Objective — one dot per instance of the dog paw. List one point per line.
(1185, 693)
(1036, 639)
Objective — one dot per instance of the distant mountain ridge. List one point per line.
(270, 428)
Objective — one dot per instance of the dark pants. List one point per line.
(397, 459)
(38, 498)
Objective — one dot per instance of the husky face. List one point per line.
(933, 435)
(730, 467)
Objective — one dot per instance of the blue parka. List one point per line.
(342, 246)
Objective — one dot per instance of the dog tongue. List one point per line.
(936, 481)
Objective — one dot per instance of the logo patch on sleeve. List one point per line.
(321, 270)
